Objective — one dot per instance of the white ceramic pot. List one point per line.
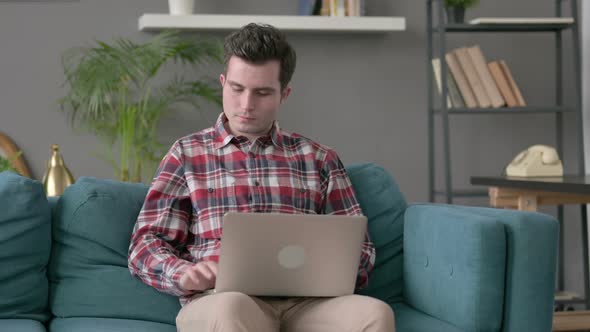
(181, 7)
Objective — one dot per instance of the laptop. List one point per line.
(271, 254)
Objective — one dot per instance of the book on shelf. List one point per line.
(464, 59)
(461, 80)
(477, 82)
(522, 20)
(436, 68)
(337, 8)
(453, 91)
(512, 83)
(454, 98)
(340, 7)
(502, 83)
(325, 9)
(355, 7)
(488, 83)
(307, 7)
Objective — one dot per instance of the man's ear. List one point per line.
(222, 79)
(285, 93)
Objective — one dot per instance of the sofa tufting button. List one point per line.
(425, 261)
(451, 270)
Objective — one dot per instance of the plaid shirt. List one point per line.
(206, 174)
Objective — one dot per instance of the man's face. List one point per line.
(251, 96)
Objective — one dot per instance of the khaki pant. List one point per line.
(237, 312)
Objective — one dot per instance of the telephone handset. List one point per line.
(537, 160)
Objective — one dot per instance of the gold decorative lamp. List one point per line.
(57, 176)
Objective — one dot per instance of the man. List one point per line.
(247, 163)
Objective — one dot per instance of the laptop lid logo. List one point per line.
(292, 257)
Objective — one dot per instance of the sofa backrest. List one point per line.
(25, 242)
(88, 273)
(92, 227)
(384, 205)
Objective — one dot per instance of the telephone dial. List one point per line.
(537, 160)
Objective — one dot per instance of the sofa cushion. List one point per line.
(408, 319)
(25, 244)
(384, 205)
(21, 325)
(107, 325)
(88, 273)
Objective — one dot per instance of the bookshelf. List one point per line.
(511, 110)
(440, 31)
(204, 22)
(504, 27)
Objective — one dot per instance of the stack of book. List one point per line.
(473, 82)
(332, 7)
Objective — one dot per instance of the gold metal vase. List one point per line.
(57, 176)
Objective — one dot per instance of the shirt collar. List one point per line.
(223, 137)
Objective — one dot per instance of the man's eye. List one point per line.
(264, 93)
(237, 89)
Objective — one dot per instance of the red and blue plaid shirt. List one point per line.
(206, 174)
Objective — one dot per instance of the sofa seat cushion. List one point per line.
(21, 325)
(25, 244)
(408, 319)
(84, 324)
(88, 273)
(383, 203)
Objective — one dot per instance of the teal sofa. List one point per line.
(443, 268)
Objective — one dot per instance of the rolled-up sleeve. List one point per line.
(340, 199)
(162, 228)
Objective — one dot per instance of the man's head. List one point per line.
(259, 65)
(260, 43)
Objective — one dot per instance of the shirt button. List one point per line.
(256, 183)
(302, 190)
(210, 190)
(252, 155)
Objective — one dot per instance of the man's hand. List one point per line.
(199, 277)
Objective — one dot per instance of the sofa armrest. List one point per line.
(531, 265)
(481, 269)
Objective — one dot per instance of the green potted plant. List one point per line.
(113, 94)
(6, 163)
(456, 9)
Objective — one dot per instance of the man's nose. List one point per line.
(248, 101)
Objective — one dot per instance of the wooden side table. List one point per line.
(527, 194)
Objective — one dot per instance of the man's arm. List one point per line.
(340, 199)
(161, 230)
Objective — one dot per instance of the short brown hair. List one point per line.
(258, 43)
